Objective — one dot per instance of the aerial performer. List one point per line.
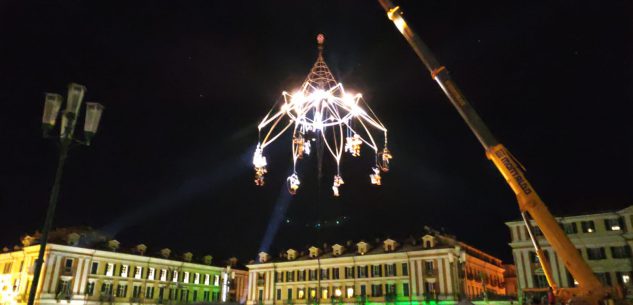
(322, 110)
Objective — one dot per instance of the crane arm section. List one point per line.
(529, 201)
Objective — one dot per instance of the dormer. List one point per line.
(337, 250)
(428, 241)
(264, 257)
(291, 254)
(187, 257)
(314, 251)
(165, 253)
(140, 249)
(72, 239)
(390, 245)
(362, 247)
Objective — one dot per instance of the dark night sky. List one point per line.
(185, 83)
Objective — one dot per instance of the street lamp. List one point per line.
(52, 105)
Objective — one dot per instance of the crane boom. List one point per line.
(589, 289)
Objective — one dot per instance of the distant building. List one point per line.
(432, 267)
(75, 274)
(603, 239)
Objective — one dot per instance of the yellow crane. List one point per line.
(589, 290)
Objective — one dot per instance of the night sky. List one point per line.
(185, 83)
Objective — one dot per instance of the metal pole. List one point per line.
(50, 213)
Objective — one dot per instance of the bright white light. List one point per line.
(258, 159)
(626, 278)
(615, 228)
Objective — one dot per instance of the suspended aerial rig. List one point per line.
(322, 111)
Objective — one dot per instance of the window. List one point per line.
(185, 277)
(405, 269)
(149, 292)
(391, 289)
(621, 252)
(205, 296)
(7, 268)
(623, 278)
(405, 289)
(94, 267)
(362, 271)
(124, 270)
(195, 295)
(161, 294)
(207, 279)
(605, 278)
(363, 290)
(376, 290)
(350, 292)
(121, 291)
(278, 294)
(429, 287)
(174, 276)
(68, 266)
(335, 273)
(106, 289)
(289, 293)
(109, 269)
(136, 292)
(595, 253)
(150, 273)
(324, 293)
(614, 224)
(390, 269)
(537, 231)
(533, 257)
(184, 295)
(569, 227)
(349, 272)
(429, 268)
(163, 275)
(376, 270)
(290, 276)
(216, 280)
(90, 288)
(138, 272)
(301, 275)
(196, 278)
(588, 226)
(312, 293)
(313, 275)
(325, 274)
(337, 292)
(301, 293)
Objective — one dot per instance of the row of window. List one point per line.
(150, 273)
(348, 273)
(150, 292)
(377, 290)
(622, 278)
(586, 226)
(597, 253)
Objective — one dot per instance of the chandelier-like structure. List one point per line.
(321, 110)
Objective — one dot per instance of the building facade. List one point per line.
(434, 267)
(603, 239)
(77, 275)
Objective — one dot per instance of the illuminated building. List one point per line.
(434, 267)
(603, 239)
(75, 274)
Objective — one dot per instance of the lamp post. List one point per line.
(52, 105)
